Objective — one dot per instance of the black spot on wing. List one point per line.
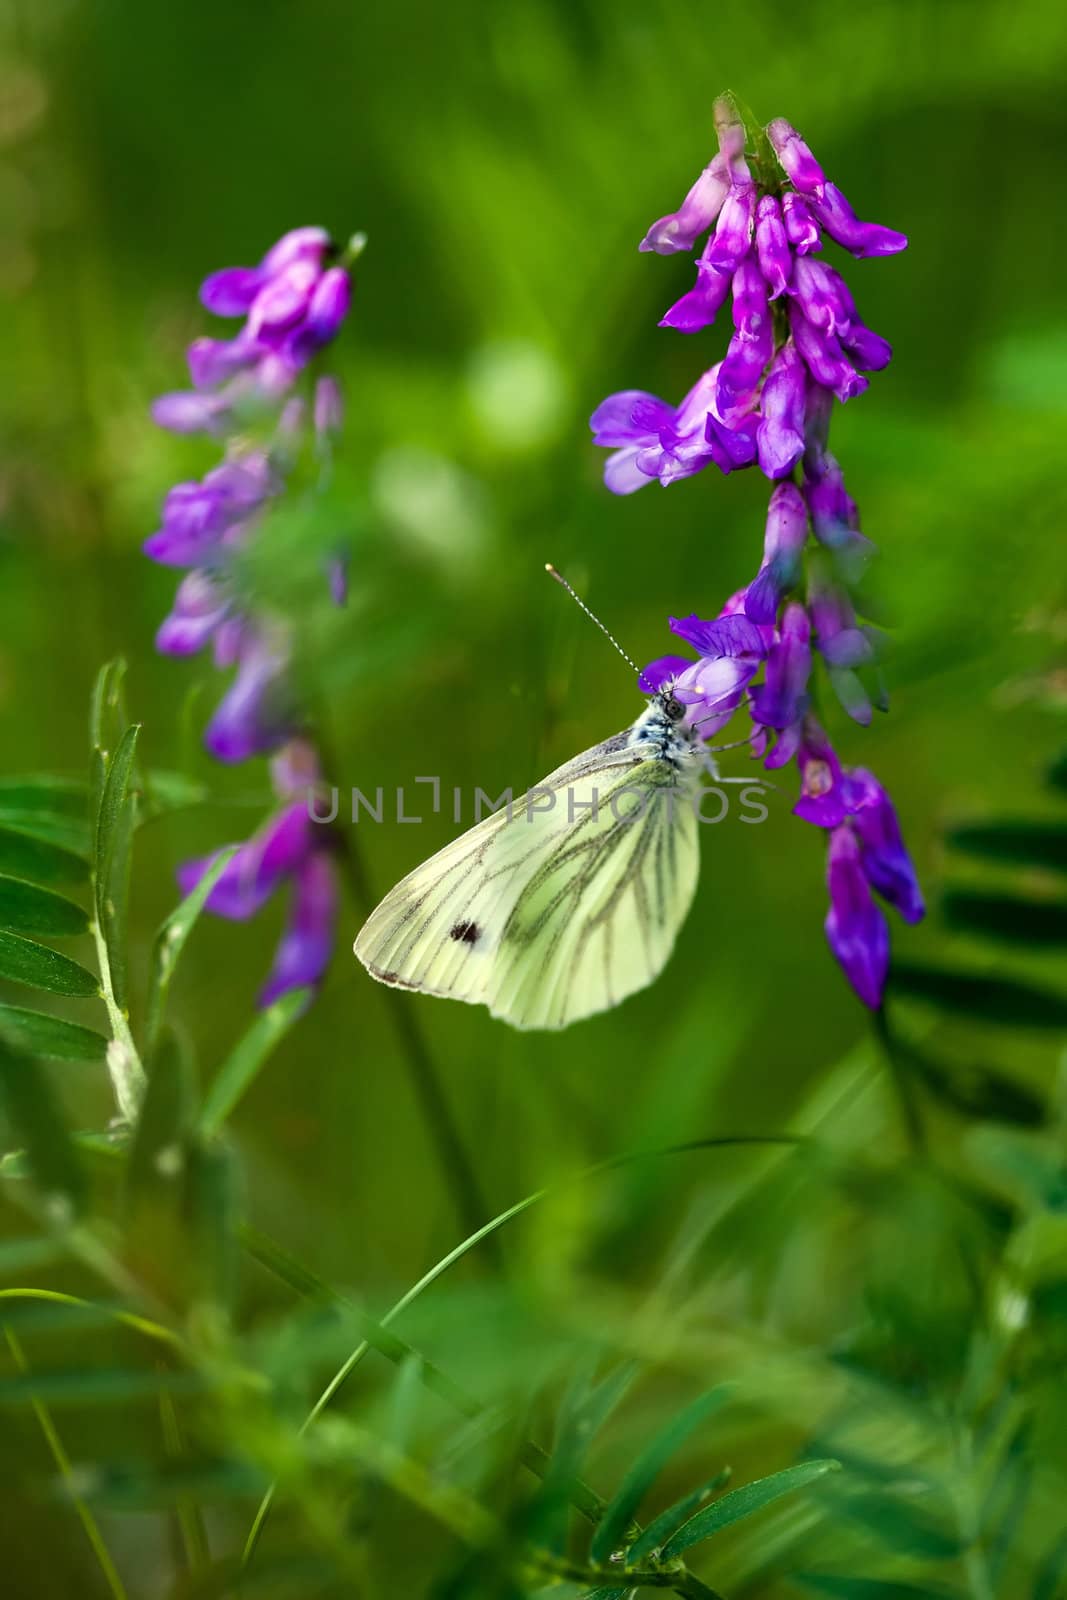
(467, 932)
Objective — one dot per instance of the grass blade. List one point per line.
(239, 1071)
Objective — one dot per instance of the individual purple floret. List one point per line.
(291, 849)
(798, 345)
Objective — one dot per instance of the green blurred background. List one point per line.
(505, 161)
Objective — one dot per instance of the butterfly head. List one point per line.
(672, 709)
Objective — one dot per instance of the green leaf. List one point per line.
(743, 1502)
(868, 1588)
(1003, 1000)
(35, 1116)
(662, 1526)
(111, 859)
(1028, 1166)
(27, 1255)
(170, 942)
(27, 857)
(903, 1527)
(211, 1211)
(66, 833)
(1048, 1584)
(23, 961)
(172, 791)
(52, 1038)
(240, 1069)
(103, 1386)
(27, 909)
(976, 1090)
(1006, 916)
(646, 1469)
(1033, 844)
(62, 797)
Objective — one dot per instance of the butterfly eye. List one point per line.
(673, 708)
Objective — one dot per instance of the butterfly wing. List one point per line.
(549, 913)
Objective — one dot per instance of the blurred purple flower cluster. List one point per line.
(253, 393)
(797, 344)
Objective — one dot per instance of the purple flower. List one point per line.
(680, 230)
(861, 239)
(824, 357)
(781, 699)
(256, 713)
(772, 245)
(752, 344)
(289, 848)
(824, 795)
(780, 432)
(701, 305)
(798, 163)
(886, 861)
(856, 930)
(783, 544)
(650, 438)
(200, 606)
(664, 669)
(329, 407)
(733, 231)
(199, 517)
(307, 944)
(801, 228)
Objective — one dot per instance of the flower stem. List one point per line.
(459, 1175)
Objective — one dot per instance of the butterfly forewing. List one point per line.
(549, 915)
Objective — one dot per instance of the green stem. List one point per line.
(902, 1083)
(62, 1461)
(463, 1186)
(123, 1063)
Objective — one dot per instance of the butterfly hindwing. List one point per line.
(549, 915)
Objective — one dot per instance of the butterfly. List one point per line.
(564, 902)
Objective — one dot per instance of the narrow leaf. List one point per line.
(989, 999)
(240, 1069)
(211, 1202)
(23, 961)
(647, 1468)
(27, 909)
(1035, 844)
(66, 833)
(662, 1526)
(902, 1526)
(1052, 1574)
(26, 857)
(1030, 1167)
(52, 1038)
(868, 1588)
(974, 1089)
(169, 944)
(1007, 917)
(62, 797)
(87, 1386)
(49, 1153)
(743, 1502)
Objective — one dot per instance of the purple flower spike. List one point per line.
(300, 244)
(772, 246)
(780, 434)
(733, 231)
(886, 861)
(801, 228)
(823, 297)
(784, 539)
(824, 357)
(200, 606)
(304, 952)
(798, 163)
(781, 700)
(326, 312)
(680, 230)
(861, 239)
(856, 930)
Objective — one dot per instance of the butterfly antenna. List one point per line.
(554, 573)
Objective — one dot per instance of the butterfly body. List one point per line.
(566, 900)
